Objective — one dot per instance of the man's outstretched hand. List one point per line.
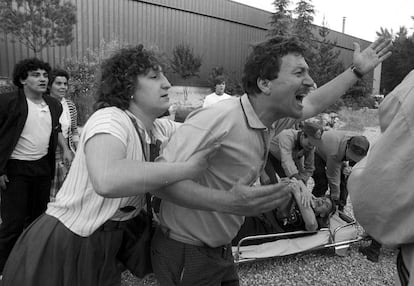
(253, 200)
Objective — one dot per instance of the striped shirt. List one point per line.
(77, 204)
(69, 122)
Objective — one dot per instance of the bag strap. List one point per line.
(144, 145)
(146, 152)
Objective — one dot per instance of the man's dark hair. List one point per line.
(22, 69)
(119, 74)
(219, 80)
(359, 145)
(55, 73)
(324, 221)
(265, 59)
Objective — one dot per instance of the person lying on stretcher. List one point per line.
(302, 212)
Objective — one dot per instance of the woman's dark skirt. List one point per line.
(49, 254)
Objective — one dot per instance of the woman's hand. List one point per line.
(3, 182)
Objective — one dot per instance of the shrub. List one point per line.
(82, 86)
(185, 62)
(7, 88)
(357, 120)
(83, 73)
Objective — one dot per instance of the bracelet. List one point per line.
(357, 72)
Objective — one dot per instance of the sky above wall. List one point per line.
(363, 17)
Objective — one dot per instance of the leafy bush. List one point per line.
(357, 120)
(185, 62)
(84, 73)
(7, 88)
(357, 97)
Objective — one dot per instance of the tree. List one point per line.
(185, 62)
(38, 23)
(326, 65)
(303, 27)
(281, 20)
(401, 62)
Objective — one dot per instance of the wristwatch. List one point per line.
(357, 72)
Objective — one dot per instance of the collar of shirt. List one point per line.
(252, 119)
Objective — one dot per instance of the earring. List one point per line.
(132, 97)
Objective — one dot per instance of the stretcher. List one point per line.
(340, 234)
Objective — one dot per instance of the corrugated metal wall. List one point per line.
(219, 30)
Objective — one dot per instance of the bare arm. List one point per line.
(330, 92)
(113, 175)
(67, 153)
(308, 215)
(308, 165)
(240, 200)
(286, 145)
(3, 182)
(333, 174)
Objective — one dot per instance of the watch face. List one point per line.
(355, 70)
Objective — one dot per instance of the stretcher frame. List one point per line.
(341, 245)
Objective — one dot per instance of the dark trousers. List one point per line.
(24, 200)
(321, 181)
(177, 263)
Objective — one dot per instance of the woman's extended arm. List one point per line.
(113, 175)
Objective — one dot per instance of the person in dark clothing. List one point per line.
(29, 133)
(371, 251)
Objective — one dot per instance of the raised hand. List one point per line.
(374, 54)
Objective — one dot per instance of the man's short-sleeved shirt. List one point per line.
(286, 147)
(244, 144)
(331, 147)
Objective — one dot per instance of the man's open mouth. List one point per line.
(300, 97)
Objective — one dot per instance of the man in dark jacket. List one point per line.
(29, 132)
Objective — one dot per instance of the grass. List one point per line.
(358, 120)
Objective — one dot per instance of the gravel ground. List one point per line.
(313, 268)
(320, 267)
